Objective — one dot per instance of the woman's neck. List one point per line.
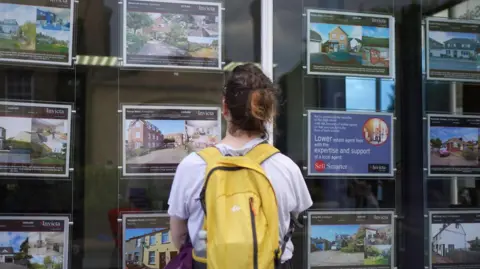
(238, 140)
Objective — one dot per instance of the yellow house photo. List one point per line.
(159, 249)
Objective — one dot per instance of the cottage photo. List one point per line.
(31, 250)
(168, 34)
(350, 245)
(454, 146)
(33, 141)
(349, 45)
(53, 30)
(453, 51)
(17, 27)
(148, 248)
(167, 141)
(455, 243)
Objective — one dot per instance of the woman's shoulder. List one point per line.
(191, 161)
(284, 163)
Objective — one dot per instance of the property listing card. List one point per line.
(35, 139)
(36, 31)
(454, 239)
(157, 138)
(350, 240)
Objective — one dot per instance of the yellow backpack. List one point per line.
(241, 214)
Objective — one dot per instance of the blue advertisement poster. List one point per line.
(350, 144)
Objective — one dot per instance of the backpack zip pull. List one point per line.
(252, 208)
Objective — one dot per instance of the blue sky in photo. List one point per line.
(378, 32)
(21, 13)
(445, 36)
(329, 231)
(12, 239)
(129, 233)
(445, 133)
(59, 35)
(166, 126)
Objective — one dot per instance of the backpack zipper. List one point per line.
(254, 234)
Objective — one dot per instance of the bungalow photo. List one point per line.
(352, 45)
(33, 141)
(148, 248)
(350, 245)
(19, 250)
(53, 30)
(167, 141)
(455, 243)
(17, 27)
(167, 34)
(453, 51)
(454, 146)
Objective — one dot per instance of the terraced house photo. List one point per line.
(149, 248)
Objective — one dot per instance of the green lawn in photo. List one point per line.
(56, 48)
(8, 44)
(48, 160)
(379, 260)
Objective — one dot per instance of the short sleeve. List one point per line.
(179, 193)
(302, 195)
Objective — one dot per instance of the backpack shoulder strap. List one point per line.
(262, 152)
(210, 155)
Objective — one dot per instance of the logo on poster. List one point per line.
(55, 111)
(51, 223)
(320, 166)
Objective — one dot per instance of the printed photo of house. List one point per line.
(35, 141)
(455, 243)
(378, 235)
(17, 27)
(453, 51)
(53, 30)
(149, 248)
(170, 34)
(16, 250)
(454, 146)
(349, 245)
(352, 45)
(45, 243)
(167, 141)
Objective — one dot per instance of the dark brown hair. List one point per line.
(251, 99)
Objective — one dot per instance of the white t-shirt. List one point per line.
(286, 178)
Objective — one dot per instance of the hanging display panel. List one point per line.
(350, 240)
(34, 242)
(350, 44)
(157, 138)
(36, 31)
(454, 239)
(35, 139)
(453, 145)
(147, 241)
(350, 143)
(173, 34)
(452, 49)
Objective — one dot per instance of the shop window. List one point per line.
(165, 238)
(151, 257)
(152, 240)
